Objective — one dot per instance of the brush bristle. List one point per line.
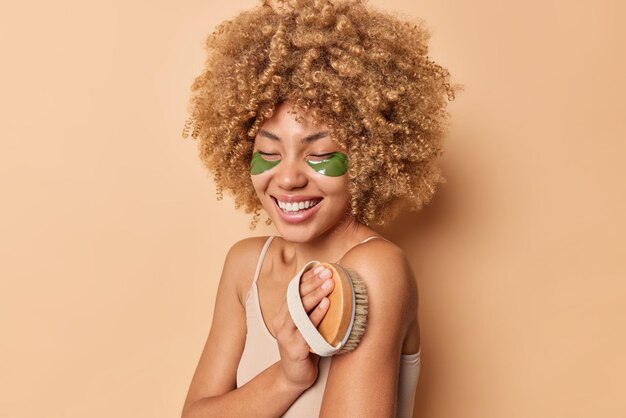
(360, 317)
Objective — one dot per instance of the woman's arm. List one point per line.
(213, 390)
(363, 383)
(268, 394)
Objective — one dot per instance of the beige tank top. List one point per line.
(261, 351)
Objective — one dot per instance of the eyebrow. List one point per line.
(306, 139)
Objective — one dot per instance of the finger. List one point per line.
(311, 300)
(314, 282)
(310, 273)
(319, 312)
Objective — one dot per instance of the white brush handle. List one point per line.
(310, 334)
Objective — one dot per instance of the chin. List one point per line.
(295, 233)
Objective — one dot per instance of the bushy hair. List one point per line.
(363, 72)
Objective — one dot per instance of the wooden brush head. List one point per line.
(336, 322)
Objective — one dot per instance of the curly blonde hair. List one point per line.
(364, 73)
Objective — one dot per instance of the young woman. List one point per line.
(328, 116)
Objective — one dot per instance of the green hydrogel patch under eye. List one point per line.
(334, 166)
(260, 165)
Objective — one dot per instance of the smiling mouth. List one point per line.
(296, 207)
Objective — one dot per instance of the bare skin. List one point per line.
(333, 235)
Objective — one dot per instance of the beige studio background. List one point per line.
(112, 242)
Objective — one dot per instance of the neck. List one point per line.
(329, 247)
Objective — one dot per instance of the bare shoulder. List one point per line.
(241, 261)
(387, 274)
(245, 248)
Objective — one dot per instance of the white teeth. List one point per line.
(296, 206)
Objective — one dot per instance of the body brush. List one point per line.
(344, 323)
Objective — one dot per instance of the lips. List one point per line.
(301, 215)
(297, 206)
(295, 199)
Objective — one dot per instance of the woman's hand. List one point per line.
(298, 363)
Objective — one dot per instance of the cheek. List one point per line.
(259, 182)
(345, 191)
(335, 186)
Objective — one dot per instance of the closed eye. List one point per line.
(322, 157)
(318, 158)
(269, 156)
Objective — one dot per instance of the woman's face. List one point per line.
(300, 176)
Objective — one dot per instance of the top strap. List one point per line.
(364, 241)
(261, 258)
(372, 237)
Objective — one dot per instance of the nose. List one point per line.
(290, 174)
